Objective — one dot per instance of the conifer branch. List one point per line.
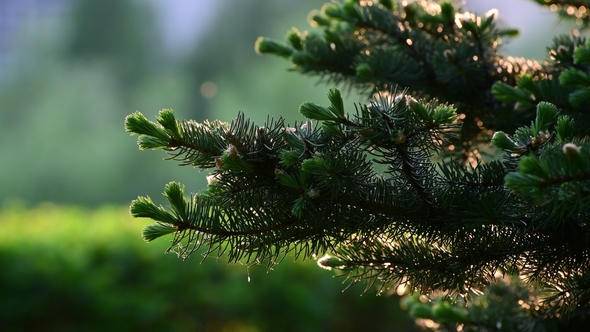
(397, 192)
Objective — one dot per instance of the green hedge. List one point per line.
(73, 269)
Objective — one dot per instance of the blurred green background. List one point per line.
(78, 269)
(70, 257)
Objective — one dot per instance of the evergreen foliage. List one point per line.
(397, 191)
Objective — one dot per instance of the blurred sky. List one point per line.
(183, 21)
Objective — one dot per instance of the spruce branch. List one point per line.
(437, 50)
(266, 200)
(329, 174)
(189, 142)
(396, 193)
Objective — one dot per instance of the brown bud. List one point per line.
(571, 150)
(231, 151)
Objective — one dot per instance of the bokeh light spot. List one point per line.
(208, 89)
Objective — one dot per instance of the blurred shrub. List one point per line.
(72, 269)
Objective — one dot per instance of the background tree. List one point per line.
(397, 190)
(126, 42)
(60, 78)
